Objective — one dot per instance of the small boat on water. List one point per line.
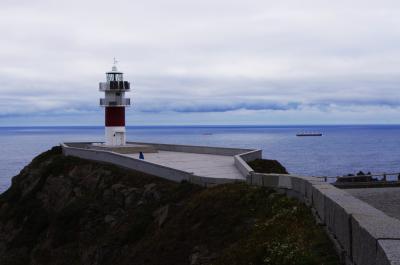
(309, 134)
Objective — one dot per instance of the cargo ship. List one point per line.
(309, 134)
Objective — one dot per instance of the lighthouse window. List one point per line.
(110, 77)
(118, 77)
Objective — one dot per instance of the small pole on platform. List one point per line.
(141, 156)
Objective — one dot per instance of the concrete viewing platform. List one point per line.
(207, 165)
(204, 165)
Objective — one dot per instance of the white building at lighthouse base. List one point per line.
(115, 135)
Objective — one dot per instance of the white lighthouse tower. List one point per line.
(115, 102)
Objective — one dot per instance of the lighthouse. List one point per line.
(114, 103)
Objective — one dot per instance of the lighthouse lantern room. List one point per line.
(115, 102)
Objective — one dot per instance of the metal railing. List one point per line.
(114, 86)
(120, 102)
(368, 177)
(364, 180)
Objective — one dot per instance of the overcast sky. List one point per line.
(202, 62)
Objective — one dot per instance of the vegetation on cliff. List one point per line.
(64, 210)
(267, 166)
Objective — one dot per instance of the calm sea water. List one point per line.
(342, 149)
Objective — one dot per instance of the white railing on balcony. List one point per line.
(105, 86)
(119, 102)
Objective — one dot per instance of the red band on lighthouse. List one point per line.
(115, 116)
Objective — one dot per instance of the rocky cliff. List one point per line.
(64, 210)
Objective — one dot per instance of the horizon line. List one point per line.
(214, 125)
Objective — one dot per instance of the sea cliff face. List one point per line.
(64, 210)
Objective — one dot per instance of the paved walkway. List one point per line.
(205, 165)
(385, 199)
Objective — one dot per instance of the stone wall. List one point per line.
(364, 234)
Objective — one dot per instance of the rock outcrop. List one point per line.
(64, 210)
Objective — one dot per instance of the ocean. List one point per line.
(341, 150)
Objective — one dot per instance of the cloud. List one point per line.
(200, 57)
(216, 106)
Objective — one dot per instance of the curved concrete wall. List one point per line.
(365, 235)
(241, 159)
(128, 162)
